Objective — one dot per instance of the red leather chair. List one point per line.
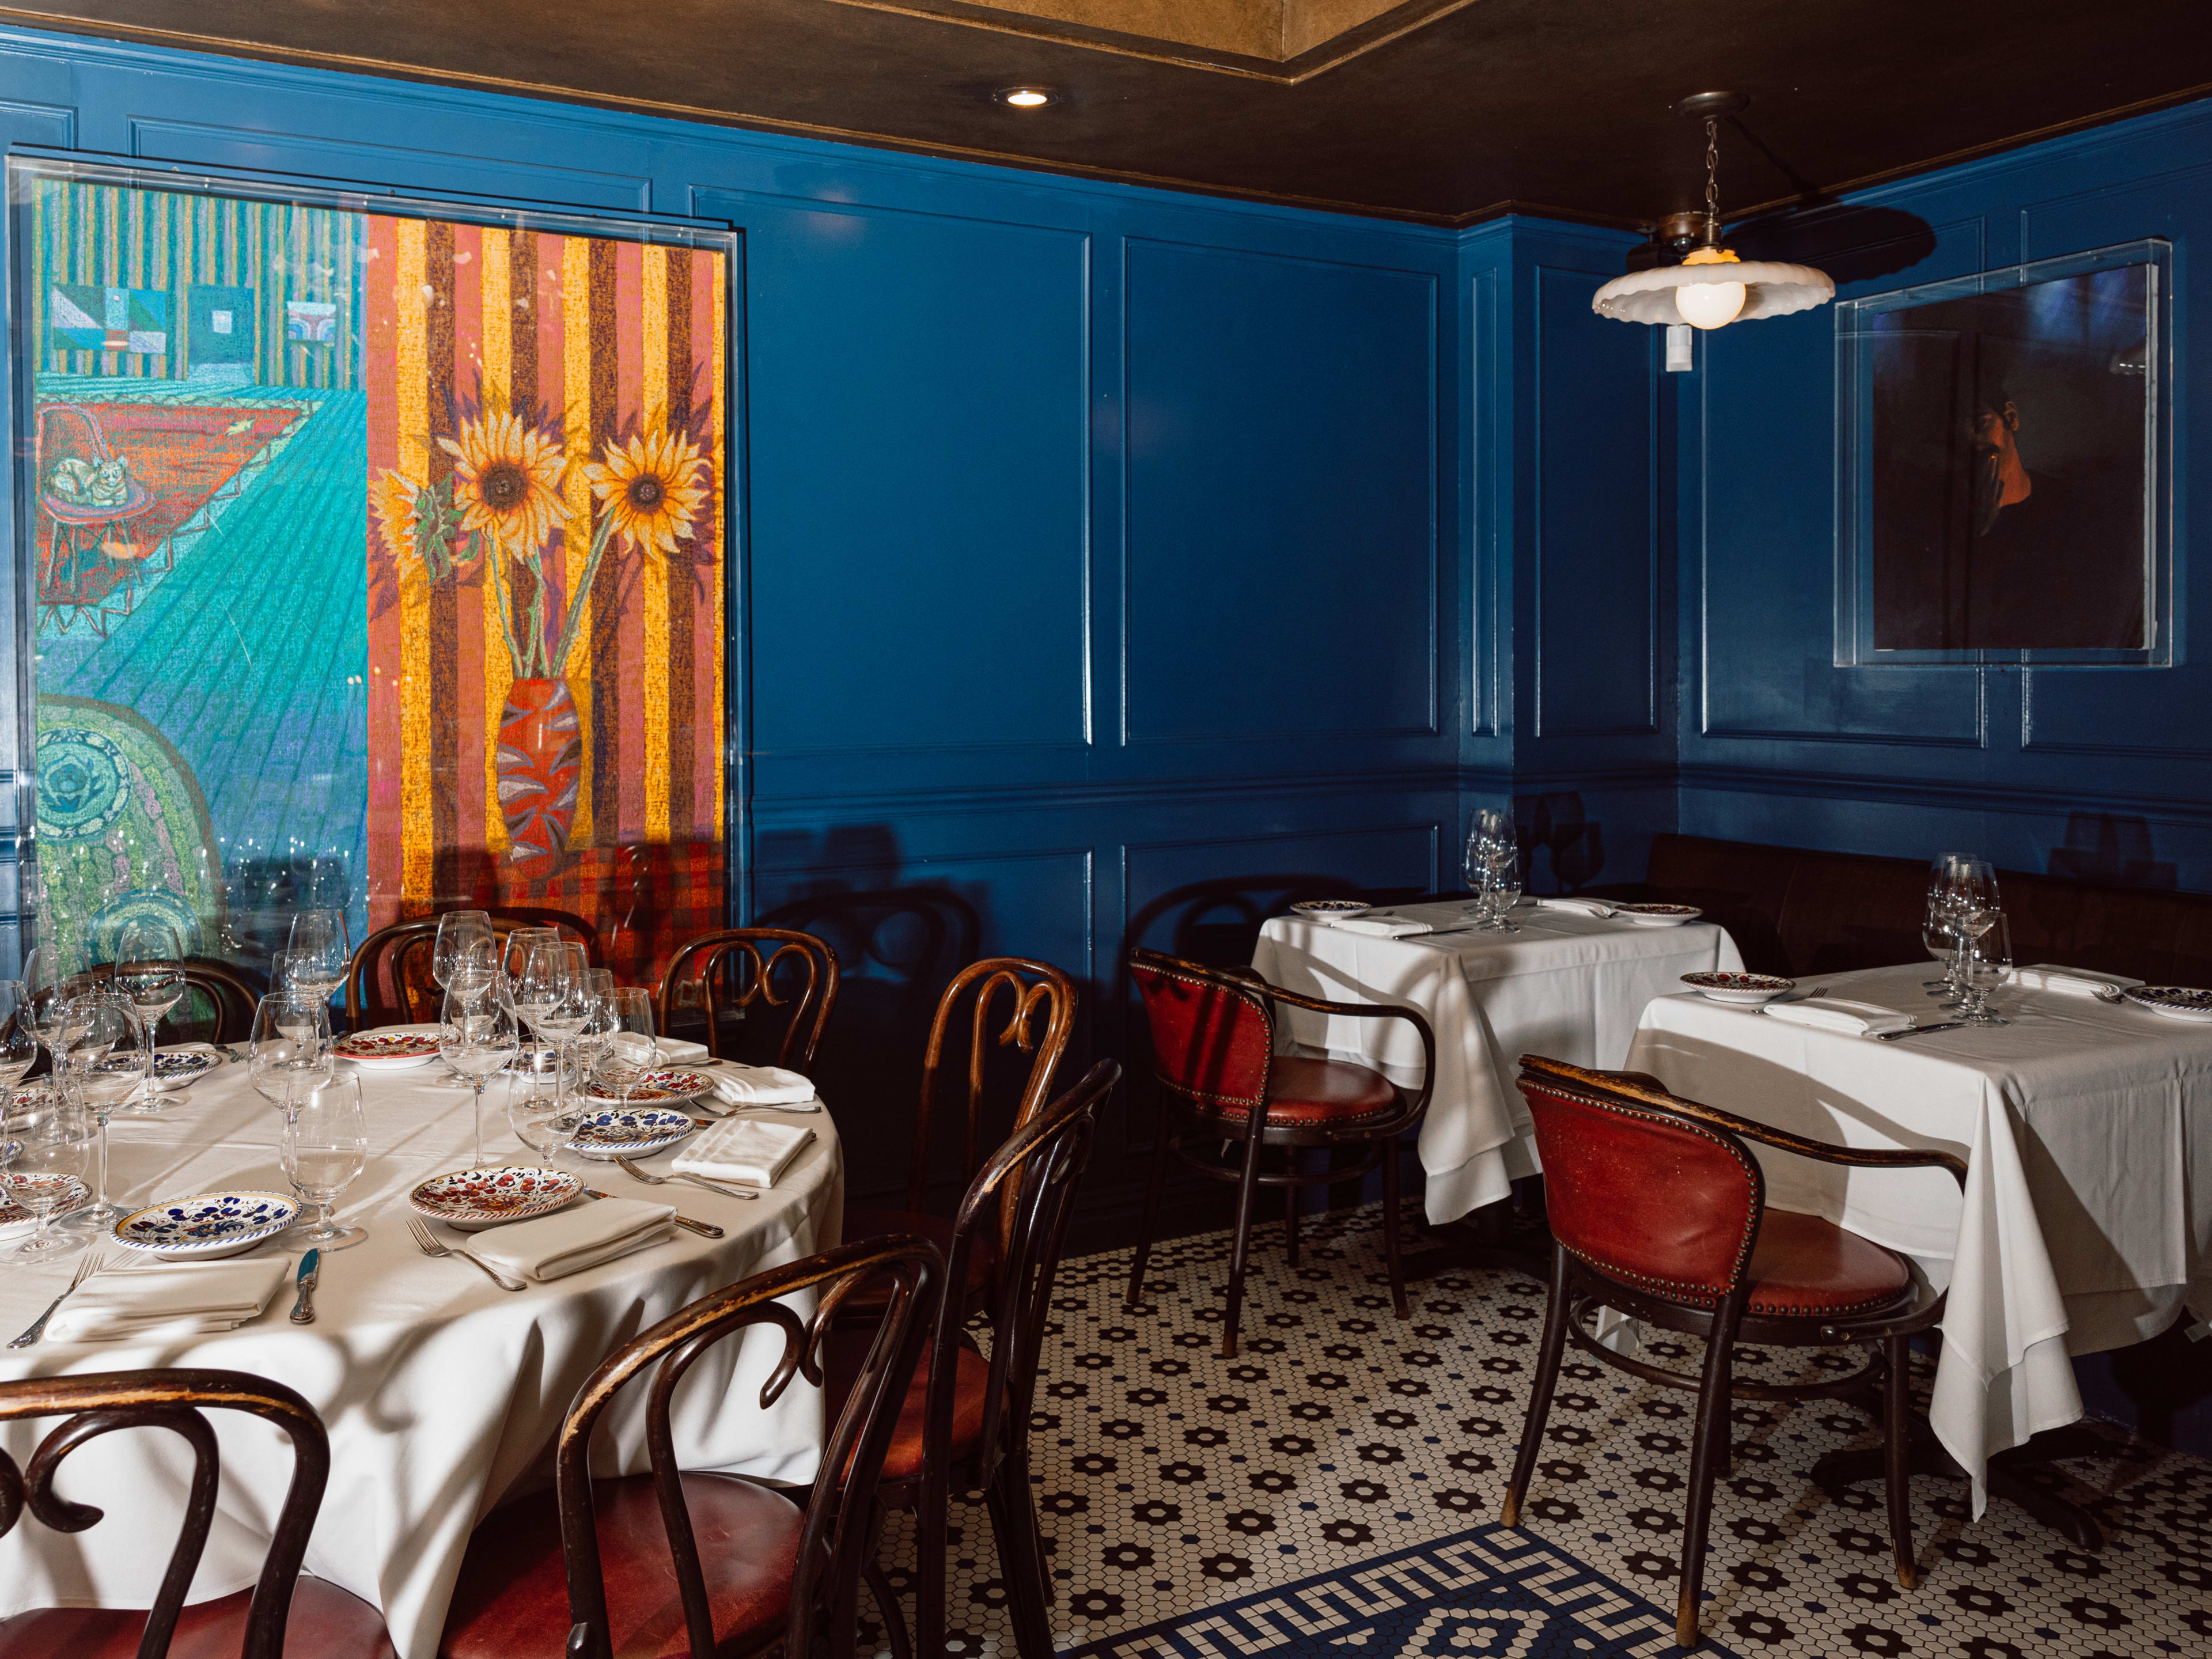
(1658, 1211)
(284, 1612)
(1213, 1054)
(676, 1566)
(965, 1422)
(1039, 1002)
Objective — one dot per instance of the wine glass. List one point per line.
(325, 1146)
(318, 954)
(51, 977)
(631, 1051)
(514, 959)
(1493, 868)
(1939, 941)
(103, 1056)
(1987, 964)
(149, 971)
(465, 947)
(559, 1003)
(19, 1037)
(290, 1043)
(479, 1033)
(1481, 829)
(50, 1144)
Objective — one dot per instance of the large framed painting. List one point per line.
(369, 553)
(2002, 470)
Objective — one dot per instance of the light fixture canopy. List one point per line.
(1712, 287)
(1026, 97)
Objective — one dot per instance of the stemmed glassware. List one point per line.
(54, 981)
(149, 972)
(318, 954)
(104, 1057)
(479, 1033)
(47, 1141)
(1493, 870)
(558, 1003)
(629, 1050)
(290, 1043)
(464, 947)
(19, 1037)
(1987, 964)
(325, 1147)
(514, 960)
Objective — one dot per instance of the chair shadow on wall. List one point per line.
(2112, 850)
(1572, 846)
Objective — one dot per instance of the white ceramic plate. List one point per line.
(1657, 915)
(1744, 990)
(206, 1225)
(390, 1047)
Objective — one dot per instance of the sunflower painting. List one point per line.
(545, 420)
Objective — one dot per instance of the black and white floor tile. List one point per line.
(1335, 1488)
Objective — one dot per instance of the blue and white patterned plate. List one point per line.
(1329, 909)
(206, 1224)
(174, 1068)
(635, 1134)
(2174, 1001)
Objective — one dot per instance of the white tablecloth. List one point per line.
(442, 1394)
(1567, 986)
(2086, 1129)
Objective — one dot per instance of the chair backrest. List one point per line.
(766, 967)
(835, 1538)
(1637, 1185)
(231, 992)
(390, 974)
(1040, 1164)
(99, 1402)
(1040, 1017)
(1214, 1038)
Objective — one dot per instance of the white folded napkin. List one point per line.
(2073, 981)
(568, 1241)
(1588, 907)
(1836, 1014)
(177, 1298)
(759, 1085)
(743, 1151)
(675, 1051)
(1382, 929)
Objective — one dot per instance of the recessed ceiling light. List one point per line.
(1026, 97)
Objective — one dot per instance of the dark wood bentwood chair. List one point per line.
(1213, 1053)
(679, 1565)
(389, 979)
(230, 991)
(1040, 1016)
(965, 1423)
(1658, 1211)
(746, 964)
(284, 1612)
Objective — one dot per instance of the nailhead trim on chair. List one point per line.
(1248, 1101)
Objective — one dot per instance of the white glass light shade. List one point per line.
(1769, 290)
(1710, 304)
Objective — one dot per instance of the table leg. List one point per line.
(2070, 1521)
(1483, 1239)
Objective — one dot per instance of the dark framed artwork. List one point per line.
(2001, 467)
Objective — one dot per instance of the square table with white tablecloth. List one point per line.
(1568, 985)
(442, 1393)
(2086, 1129)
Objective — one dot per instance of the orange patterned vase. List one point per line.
(541, 760)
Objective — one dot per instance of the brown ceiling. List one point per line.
(1445, 110)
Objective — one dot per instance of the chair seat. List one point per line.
(513, 1596)
(1806, 1265)
(938, 1229)
(904, 1460)
(325, 1623)
(1309, 1092)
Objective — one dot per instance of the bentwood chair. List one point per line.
(1213, 1054)
(389, 979)
(1658, 1211)
(770, 968)
(964, 1423)
(1039, 1013)
(284, 1612)
(230, 991)
(711, 1566)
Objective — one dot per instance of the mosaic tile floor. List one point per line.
(1335, 1488)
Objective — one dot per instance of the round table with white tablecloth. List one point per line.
(442, 1393)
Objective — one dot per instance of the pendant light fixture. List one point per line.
(1712, 287)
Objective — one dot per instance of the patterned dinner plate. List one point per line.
(1658, 915)
(2174, 1001)
(634, 1134)
(1745, 989)
(391, 1049)
(1329, 909)
(664, 1083)
(472, 1199)
(206, 1224)
(174, 1069)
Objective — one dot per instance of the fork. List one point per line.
(651, 1179)
(92, 1263)
(430, 1246)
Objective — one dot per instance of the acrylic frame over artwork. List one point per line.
(2004, 467)
(523, 430)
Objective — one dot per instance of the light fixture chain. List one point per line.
(1712, 181)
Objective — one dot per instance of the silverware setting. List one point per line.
(311, 1272)
(651, 1179)
(93, 1262)
(704, 1229)
(430, 1246)
(1917, 1030)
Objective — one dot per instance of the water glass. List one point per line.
(1987, 964)
(19, 1037)
(53, 979)
(103, 1065)
(630, 1051)
(318, 954)
(50, 1145)
(479, 1033)
(149, 971)
(554, 982)
(325, 1147)
(1493, 869)
(288, 1046)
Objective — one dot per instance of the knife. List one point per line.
(311, 1269)
(704, 1229)
(1918, 1030)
